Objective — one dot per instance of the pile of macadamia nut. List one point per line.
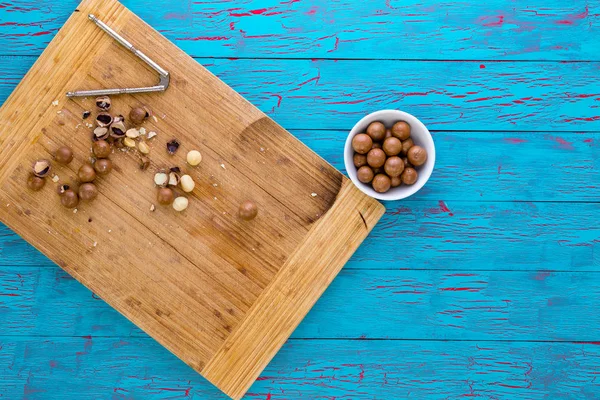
(387, 158)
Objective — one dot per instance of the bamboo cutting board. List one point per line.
(220, 293)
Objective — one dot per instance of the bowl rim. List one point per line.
(349, 153)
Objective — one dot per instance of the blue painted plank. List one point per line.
(449, 235)
(330, 94)
(407, 29)
(110, 368)
(435, 305)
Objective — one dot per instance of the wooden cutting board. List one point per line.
(220, 293)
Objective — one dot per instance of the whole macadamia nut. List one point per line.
(395, 181)
(101, 149)
(376, 158)
(69, 199)
(88, 192)
(35, 183)
(165, 196)
(406, 145)
(392, 146)
(359, 160)
(377, 131)
(409, 176)
(394, 166)
(381, 183)
(362, 143)
(103, 166)
(417, 156)
(86, 173)
(248, 210)
(401, 130)
(365, 174)
(137, 115)
(63, 155)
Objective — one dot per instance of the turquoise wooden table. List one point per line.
(485, 284)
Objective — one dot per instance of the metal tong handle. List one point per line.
(163, 84)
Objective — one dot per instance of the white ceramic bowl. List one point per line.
(420, 136)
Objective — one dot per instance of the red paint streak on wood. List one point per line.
(232, 26)
(9, 294)
(570, 20)
(588, 119)
(588, 140)
(515, 140)
(361, 376)
(207, 38)
(118, 389)
(175, 16)
(444, 208)
(484, 99)
(563, 144)
(460, 289)
(542, 275)
(312, 11)
(498, 22)
(594, 343)
(53, 364)
(461, 274)
(269, 394)
(481, 66)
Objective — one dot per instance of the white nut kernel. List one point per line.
(194, 158)
(143, 148)
(187, 183)
(180, 204)
(132, 133)
(161, 179)
(129, 142)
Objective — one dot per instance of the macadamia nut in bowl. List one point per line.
(389, 155)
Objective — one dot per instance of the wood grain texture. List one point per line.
(424, 305)
(59, 368)
(474, 95)
(190, 280)
(553, 236)
(438, 29)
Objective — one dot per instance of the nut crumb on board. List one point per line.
(152, 207)
(55, 103)
(75, 211)
(55, 178)
(313, 194)
(223, 166)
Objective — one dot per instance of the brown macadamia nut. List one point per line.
(165, 196)
(409, 176)
(86, 173)
(359, 160)
(101, 149)
(103, 166)
(377, 131)
(401, 130)
(395, 181)
(417, 156)
(381, 183)
(362, 143)
(35, 183)
(376, 158)
(88, 192)
(392, 146)
(365, 174)
(406, 145)
(69, 199)
(248, 210)
(63, 155)
(137, 115)
(394, 166)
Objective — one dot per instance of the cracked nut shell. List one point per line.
(104, 120)
(172, 146)
(42, 168)
(103, 103)
(117, 130)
